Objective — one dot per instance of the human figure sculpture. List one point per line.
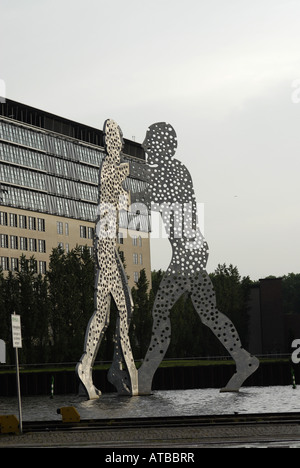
(170, 190)
(110, 279)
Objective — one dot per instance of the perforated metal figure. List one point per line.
(110, 281)
(170, 190)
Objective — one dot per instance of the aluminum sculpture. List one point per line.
(110, 279)
(170, 191)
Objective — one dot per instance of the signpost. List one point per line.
(17, 343)
(2, 352)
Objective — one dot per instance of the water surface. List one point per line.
(160, 403)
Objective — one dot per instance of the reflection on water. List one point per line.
(160, 404)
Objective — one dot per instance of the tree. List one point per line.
(141, 322)
(232, 294)
(3, 309)
(291, 293)
(71, 293)
(27, 308)
(42, 308)
(57, 289)
(12, 304)
(189, 337)
(56, 308)
(186, 330)
(4, 314)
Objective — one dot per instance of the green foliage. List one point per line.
(141, 321)
(187, 337)
(71, 288)
(291, 293)
(26, 294)
(56, 308)
(232, 293)
(33, 308)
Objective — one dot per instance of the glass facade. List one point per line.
(50, 173)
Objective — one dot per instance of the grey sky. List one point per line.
(220, 71)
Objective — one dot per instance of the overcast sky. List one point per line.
(224, 73)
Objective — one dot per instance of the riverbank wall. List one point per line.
(166, 378)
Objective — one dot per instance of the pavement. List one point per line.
(213, 436)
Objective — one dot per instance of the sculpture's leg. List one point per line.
(204, 300)
(169, 292)
(94, 334)
(126, 381)
(118, 376)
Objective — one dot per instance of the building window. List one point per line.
(60, 227)
(121, 238)
(4, 241)
(32, 245)
(134, 241)
(3, 218)
(23, 243)
(4, 263)
(135, 259)
(135, 276)
(67, 229)
(13, 242)
(83, 231)
(42, 267)
(140, 242)
(23, 222)
(91, 233)
(14, 262)
(67, 248)
(31, 223)
(34, 266)
(13, 220)
(41, 225)
(42, 246)
(141, 259)
(60, 245)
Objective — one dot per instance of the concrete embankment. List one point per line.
(166, 378)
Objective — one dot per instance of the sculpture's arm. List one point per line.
(123, 172)
(141, 172)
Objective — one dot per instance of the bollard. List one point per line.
(52, 387)
(293, 378)
(2, 352)
(69, 414)
(9, 424)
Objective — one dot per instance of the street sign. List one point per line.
(2, 352)
(17, 343)
(16, 331)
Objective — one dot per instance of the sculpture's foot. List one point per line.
(86, 381)
(119, 379)
(145, 383)
(245, 368)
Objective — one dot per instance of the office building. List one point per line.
(49, 172)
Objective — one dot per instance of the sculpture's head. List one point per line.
(160, 143)
(113, 139)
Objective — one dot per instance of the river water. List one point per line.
(160, 404)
